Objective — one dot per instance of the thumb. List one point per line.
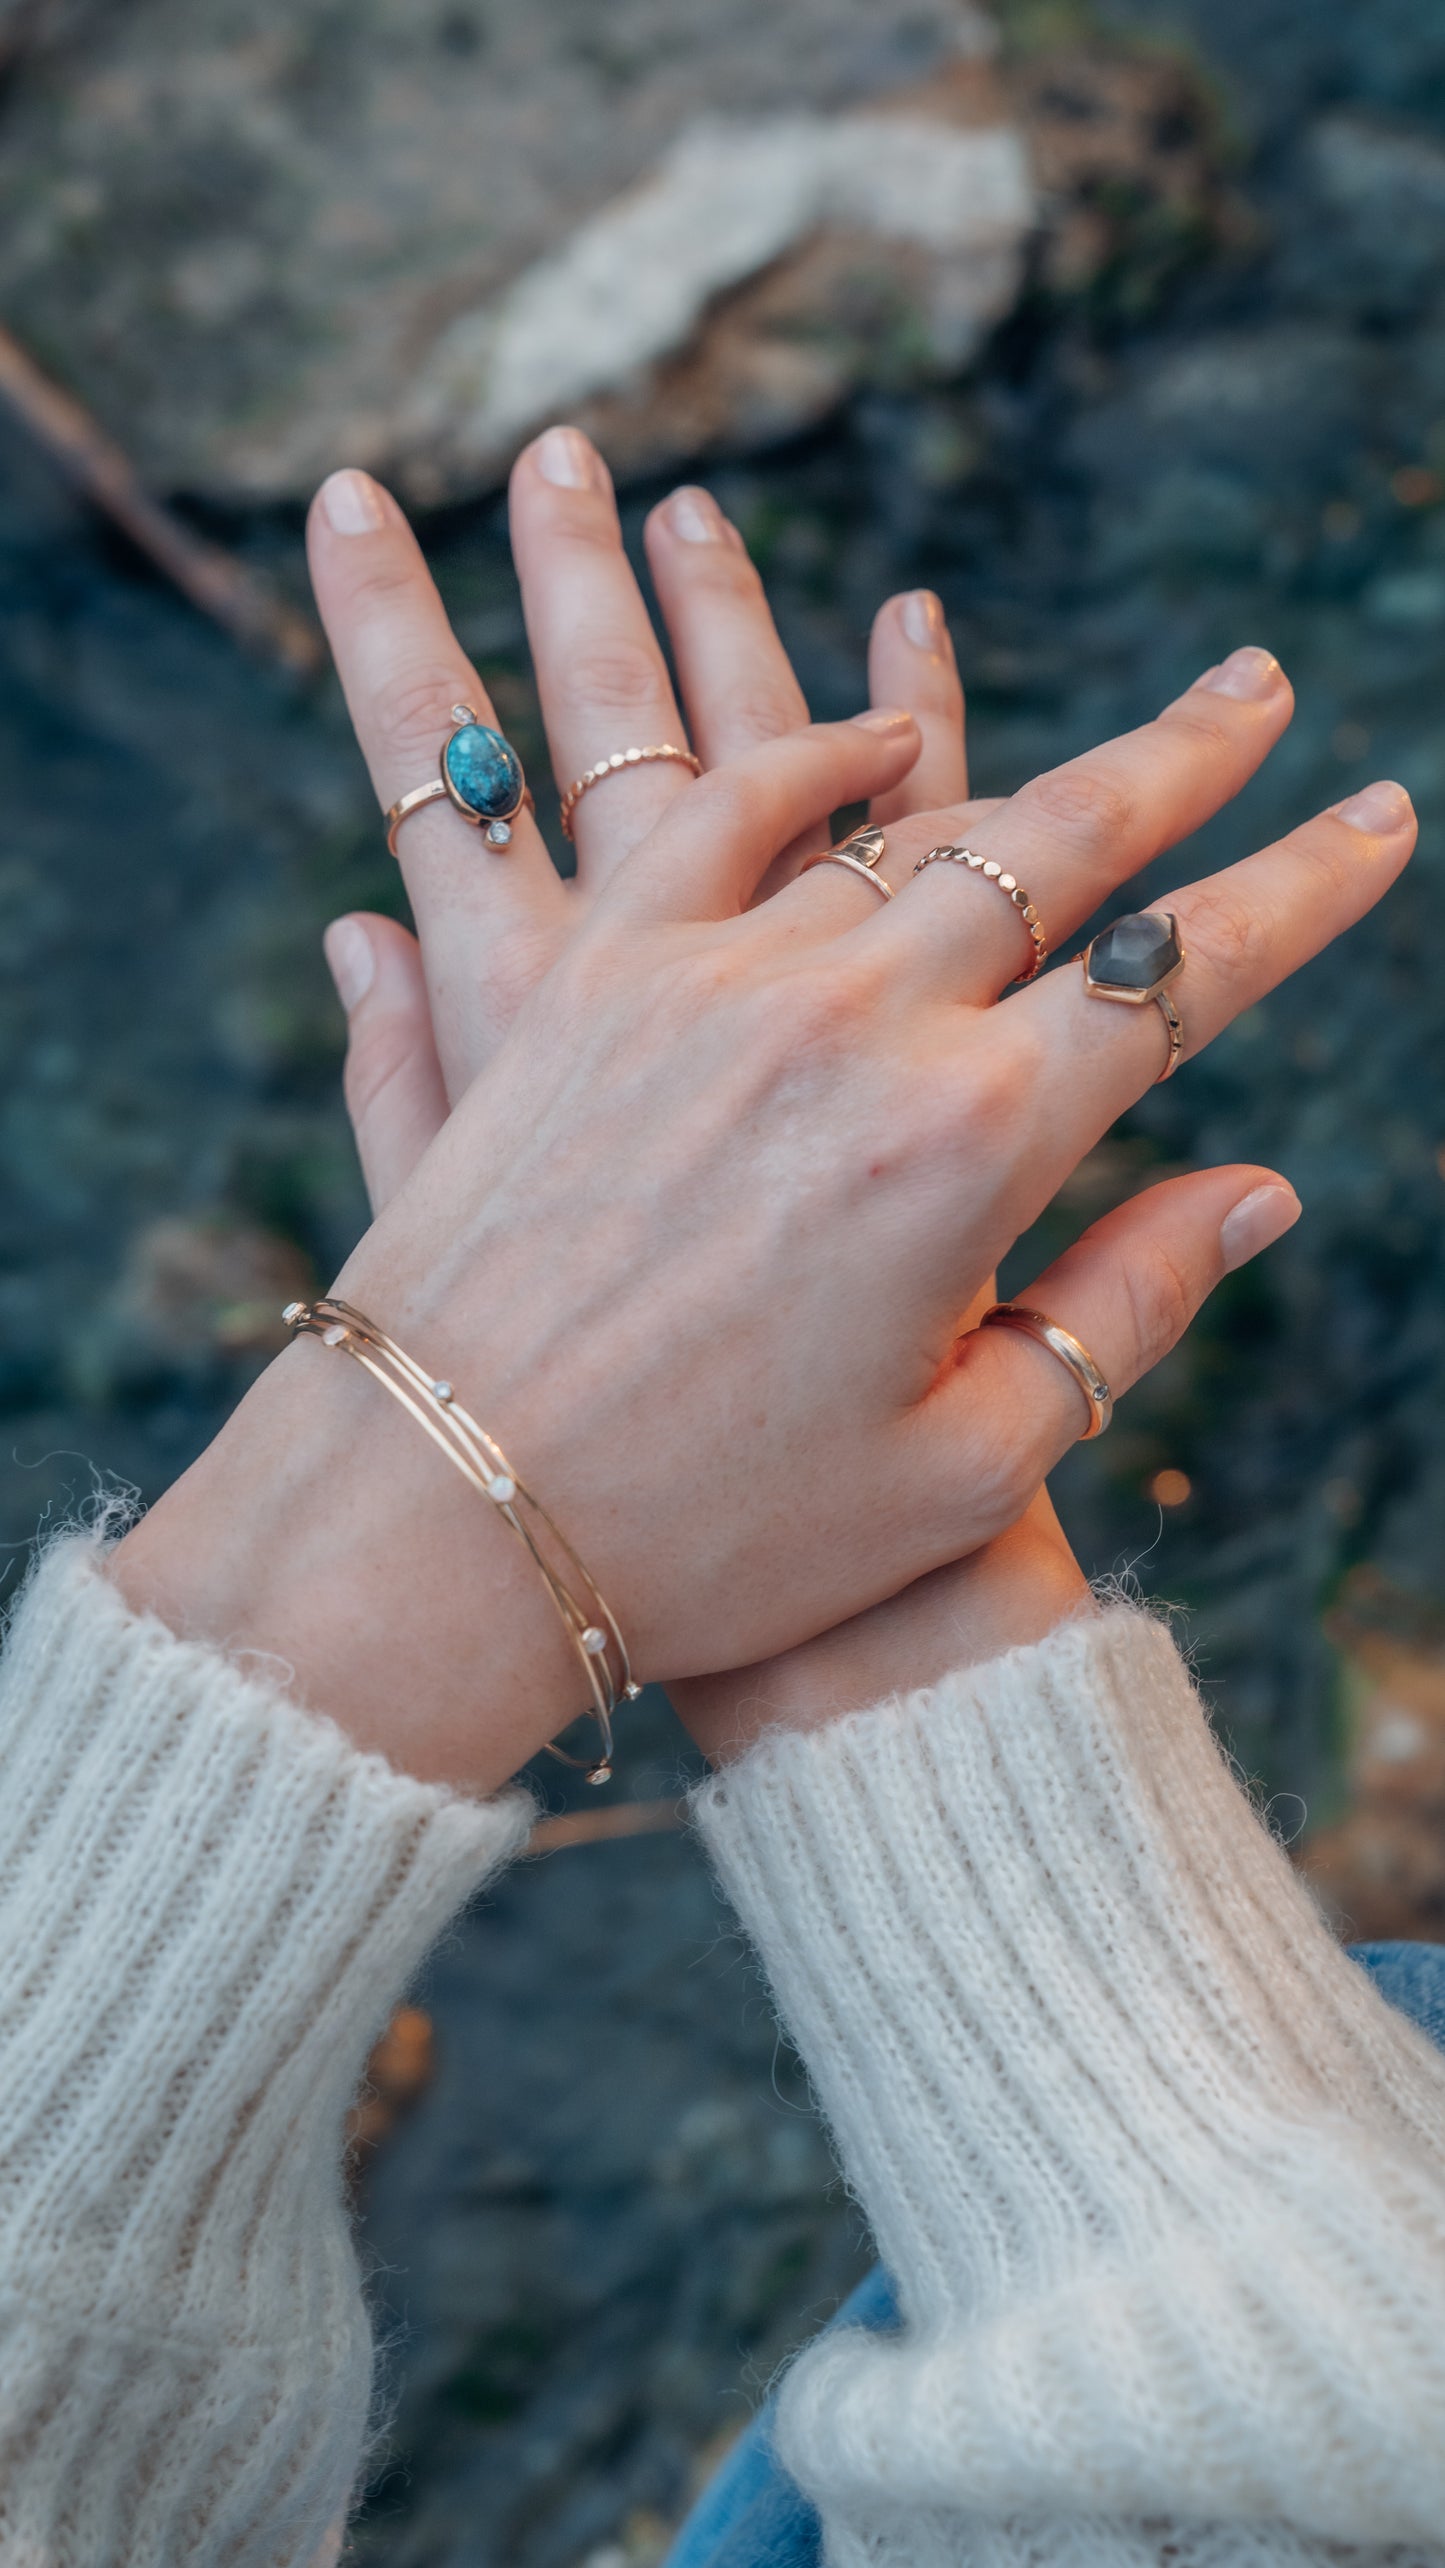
(1127, 1292)
(393, 1082)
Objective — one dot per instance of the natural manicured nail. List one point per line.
(1263, 1217)
(1248, 674)
(1380, 810)
(921, 616)
(695, 515)
(352, 503)
(569, 459)
(884, 717)
(350, 960)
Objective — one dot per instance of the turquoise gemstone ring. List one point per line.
(481, 777)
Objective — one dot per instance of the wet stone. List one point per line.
(484, 770)
(1136, 952)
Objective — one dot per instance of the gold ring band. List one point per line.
(1008, 884)
(862, 854)
(663, 751)
(481, 777)
(1063, 1344)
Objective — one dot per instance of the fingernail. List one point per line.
(1381, 809)
(921, 616)
(1262, 1217)
(569, 459)
(352, 503)
(350, 960)
(1248, 674)
(695, 516)
(884, 717)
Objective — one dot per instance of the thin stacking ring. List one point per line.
(994, 873)
(481, 777)
(862, 854)
(1063, 1344)
(663, 749)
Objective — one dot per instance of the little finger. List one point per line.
(395, 1096)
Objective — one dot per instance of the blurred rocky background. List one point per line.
(1121, 324)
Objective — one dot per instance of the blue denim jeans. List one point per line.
(752, 2516)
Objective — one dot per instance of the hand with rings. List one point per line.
(735, 1145)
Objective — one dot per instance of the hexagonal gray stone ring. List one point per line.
(481, 777)
(1134, 961)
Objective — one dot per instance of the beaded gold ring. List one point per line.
(1008, 884)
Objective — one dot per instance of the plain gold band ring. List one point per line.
(862, 854)
(1063, 1344)
(663, 752)
(1013, 890)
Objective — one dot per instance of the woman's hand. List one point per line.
(695, 1244)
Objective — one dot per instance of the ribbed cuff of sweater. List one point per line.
(209, 1902)
(1157, 2174)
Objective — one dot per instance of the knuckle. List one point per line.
(1088, 805)
(1228, 934)
(617, 677)
(1160, 1303)
(1205, 733)
(414, 714)
(756, 713)
(377, 1056)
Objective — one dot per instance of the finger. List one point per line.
(600, 672)
(1243, 931)
(402, 669)
(910, 661)
(1127, 1291)
(1070, 836)
(737, 681)
(708, 854)
(395, 1096)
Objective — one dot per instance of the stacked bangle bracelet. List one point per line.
(587, 1619)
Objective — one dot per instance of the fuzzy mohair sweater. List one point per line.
(1159, 2177)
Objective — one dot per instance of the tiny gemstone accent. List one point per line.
(334, 1336)
(600, 1774)
(442, 1391)
(484, 771)
(463, 713)
(292, 1313)
(499, 833)
(594, 1640)
(1101, 1392)
(1135, 953)
(631, 1690)
(501, 1488)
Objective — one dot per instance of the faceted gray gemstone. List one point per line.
(1135, 952)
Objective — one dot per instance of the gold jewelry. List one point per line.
(1133, 961)
(481, 777)
(994, 873)
(610, 767)
(862, 854)
(588, 1620)
(1063, 1344)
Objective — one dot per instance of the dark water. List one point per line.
(613, 2212)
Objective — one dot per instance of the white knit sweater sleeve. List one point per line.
(209, 1902)
(1159, 2177)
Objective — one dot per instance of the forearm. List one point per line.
(209, 1903)
(1158, 2177)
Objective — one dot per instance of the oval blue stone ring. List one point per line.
(481, 777)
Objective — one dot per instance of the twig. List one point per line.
(589, 1827)
(223, 588)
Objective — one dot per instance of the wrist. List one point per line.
(1014, 1591)
(323, 1530)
